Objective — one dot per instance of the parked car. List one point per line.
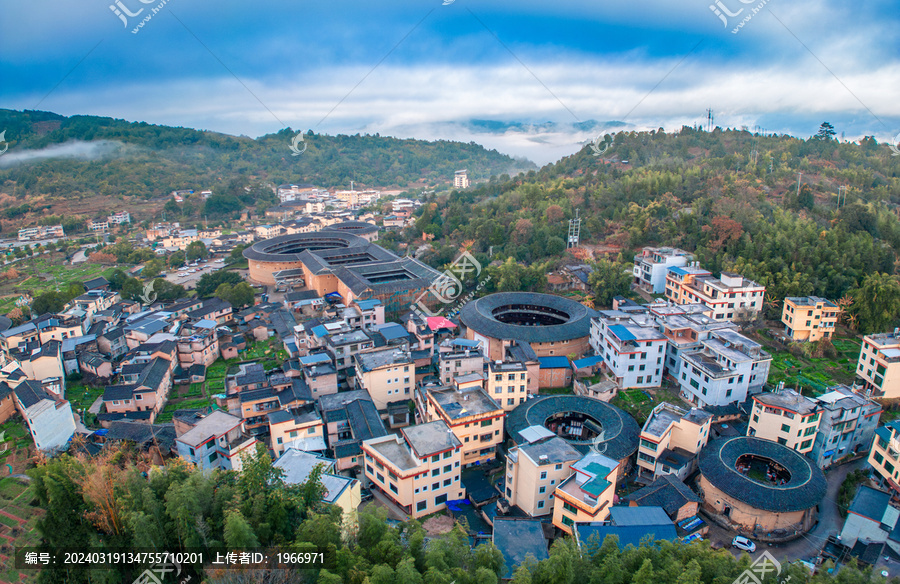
(742, 543)
(365, 495)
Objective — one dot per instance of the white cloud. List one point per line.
(431, 101)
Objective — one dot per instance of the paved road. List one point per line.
(95, 407)
(79, 256)
(808, 545)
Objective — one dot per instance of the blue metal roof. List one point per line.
(315, 359)
(623, 333)
(587, 362)
(465, 343)
(368, 304)
(391, 331)
(589, 533)
(678, 270)
(554, 362)
(320, 331)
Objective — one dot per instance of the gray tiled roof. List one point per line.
(805, 489)
(621, 431)
(479, 316)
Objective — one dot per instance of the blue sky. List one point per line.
(254, 68)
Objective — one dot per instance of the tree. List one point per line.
(239, 295)
(237, 254)
(117, 280)
(49, 302)
(153, 268)
(826, 131)
(177, 259)
(208, 283)
(805, 199)
(554, 214)
(608, 280)
(196, 250)
(238, 533)
(876, 303)
(225, 204)
(133, 289)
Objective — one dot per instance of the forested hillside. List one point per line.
(764, 206)
(112, 503)
(108, 159)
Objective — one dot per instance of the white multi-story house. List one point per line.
(119, 218)
(730, 297)
(651, 264)
(727, 368)
(685, 327)
(632, 347)
(848, 425)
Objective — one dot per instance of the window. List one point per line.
(421, 505)
(540, 505)
(542, 490)
(448, 454)
(486, 423)
(782, 441)
(785, 428)
(447, 482)
(293, 434)
(213, 456)
(543, 475)
(448, 468)
(393, 488)
(435, 458)
(440, 499)
(569, 508)
(435, 472)
(279, 440)
(558, 467)
(806, 444)
(878, 458)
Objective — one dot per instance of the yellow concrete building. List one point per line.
(885, 456)
(588, 494)
(879, 365)
(785, 417)
(475, 419)
(388, 374)
(419, 470)
(534, 470)
(507, 383)
(670, 441)
(809, 318)
(298, 425)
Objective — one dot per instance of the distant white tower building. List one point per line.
(461, 180)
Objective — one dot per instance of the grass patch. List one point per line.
(812, 376)
(11, 488)
(217, 370)
(640, 402)
(8, 522)
(195, 390)
(47, 272)
(82, 396)
(215, 385)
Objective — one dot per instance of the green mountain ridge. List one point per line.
(142, 160)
